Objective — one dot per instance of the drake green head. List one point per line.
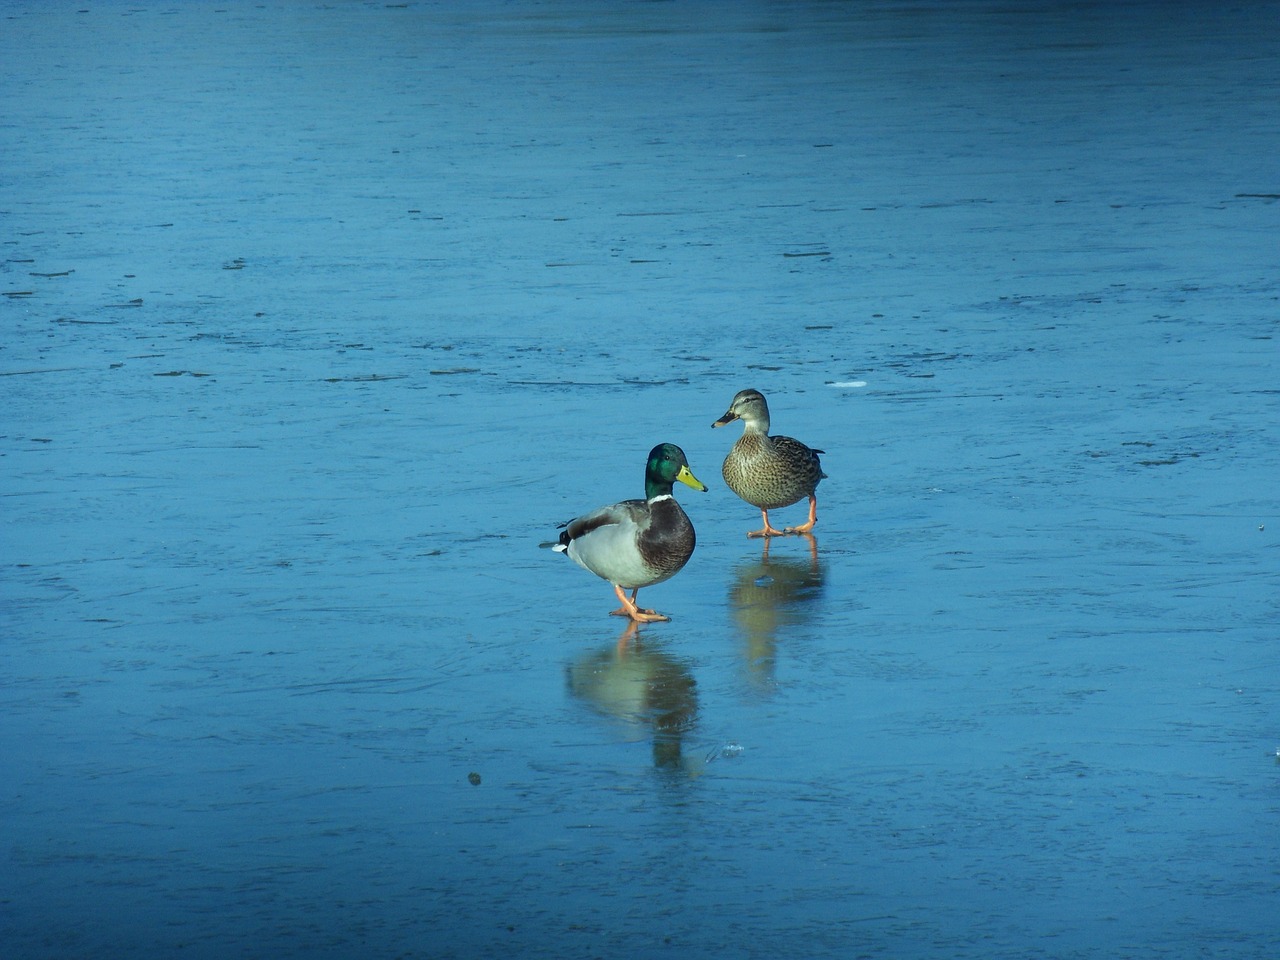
(667, 464)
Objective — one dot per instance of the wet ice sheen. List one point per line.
(318, 318)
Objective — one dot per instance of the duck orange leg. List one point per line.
(629, 608)
(813, 518)
(769, 530)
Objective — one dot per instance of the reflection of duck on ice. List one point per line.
(771, 593)
(645, 687)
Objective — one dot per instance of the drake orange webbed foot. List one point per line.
(637, 614)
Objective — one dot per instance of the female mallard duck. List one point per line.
(637, 543)
(766, 471)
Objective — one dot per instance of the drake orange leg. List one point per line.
(629, 608)
(813, 518)
(768, 531)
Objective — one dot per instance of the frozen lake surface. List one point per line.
(319, 318)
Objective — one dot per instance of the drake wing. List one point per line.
(626, 513)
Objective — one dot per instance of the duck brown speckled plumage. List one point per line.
(769, 472)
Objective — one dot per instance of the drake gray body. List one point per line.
(637, 543)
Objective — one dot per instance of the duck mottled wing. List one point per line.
(802, 459)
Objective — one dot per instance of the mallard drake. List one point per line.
(637, 543)
(769, 472)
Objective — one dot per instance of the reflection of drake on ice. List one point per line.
(651, 692)
(769, 594)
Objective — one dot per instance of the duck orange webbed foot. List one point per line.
(769, 529)
(807, 528)
(640, 616)
(637, 614)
